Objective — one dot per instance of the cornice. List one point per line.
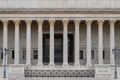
(60, 16)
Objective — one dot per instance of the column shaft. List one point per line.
(88, 63)
(112, 40)
(40, 43)
(5, 38)
(77, 43)
(51, 42)
(16, 61)
(28, 43)
(100, 42)
(65, 42)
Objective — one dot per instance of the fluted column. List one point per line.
(100, 42)
(51, 42)
(112, 40)
(88, 22)
(77, 41)
(5, 38)
(28, 42)
(16, 47)
(40, 42)
(65, 42)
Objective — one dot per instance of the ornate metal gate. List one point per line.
(58, 45)
(46, 49)
(70, 48)
(58, 49)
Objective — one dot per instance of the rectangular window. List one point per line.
(12, 54)
(103, 54)
(92, 54)
(35, 54)
(81, 54)
(1, 55)
(24, 54)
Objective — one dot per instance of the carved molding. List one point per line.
(59, 73)
(65, 22)
(100, 22)
(28, 22)
(16, 22)
(5, 22)
(112, 22)
(51, 22)
(88, 22)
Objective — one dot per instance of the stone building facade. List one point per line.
(59, 39)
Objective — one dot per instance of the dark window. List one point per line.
(70, 49)
(92, 54)
(58, 48)
(12, 54)
(81, 54)
(24, 54)
(1, 55)
(46, 48)
(103, 54)
(35, 54)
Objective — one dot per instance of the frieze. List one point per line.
(59, 73)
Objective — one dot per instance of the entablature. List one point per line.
(59, 16)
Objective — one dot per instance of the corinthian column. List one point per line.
(40, 42)
(77, 41)
(65, 42)
(88, 42)
(16, 42)
(28, 42)
(112, 40)
(52, 42)
(5, 39)
(100, 42)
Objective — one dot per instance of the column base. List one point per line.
(76, 65)
(40, 64)
(112, 64)
(16, 64)
(100, 64)
(28, 64)
(51, 65)
(88, 65)
(65, 64)
(5, 78)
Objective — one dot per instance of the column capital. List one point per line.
(40, 21)
(100, 22)
(5, 22)
(77, 22)
(16, 22)
(65, 22)
(88, 22)
(28, 21)
(112, 21)
(52, 21)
